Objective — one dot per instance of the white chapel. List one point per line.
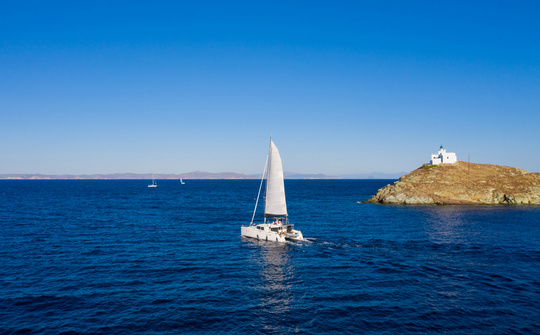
(443, 157)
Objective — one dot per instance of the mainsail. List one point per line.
(275, 204)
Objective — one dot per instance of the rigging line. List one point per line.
(260, 187)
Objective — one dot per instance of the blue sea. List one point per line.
(117, 257)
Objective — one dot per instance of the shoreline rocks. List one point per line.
(463, 183)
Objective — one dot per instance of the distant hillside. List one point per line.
(194, 175)
(374, 175)
(308, 176)
(463, 184)
(190, 175)
(208, 175)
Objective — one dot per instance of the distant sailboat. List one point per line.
(181, 182)
(154, 184)
(275, 209)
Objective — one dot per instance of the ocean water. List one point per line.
(117, 257)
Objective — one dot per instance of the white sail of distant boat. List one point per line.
(154, 184)
(278, 227)
(181, 181)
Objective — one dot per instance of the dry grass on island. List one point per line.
(463, 183)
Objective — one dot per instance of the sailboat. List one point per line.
(276, 226)
(181, 181)
(154, 184)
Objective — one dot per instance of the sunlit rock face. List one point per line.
(463, 183)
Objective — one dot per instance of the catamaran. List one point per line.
(276, 226)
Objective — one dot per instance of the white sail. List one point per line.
(275, 204)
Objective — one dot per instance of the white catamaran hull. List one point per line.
(272, 232)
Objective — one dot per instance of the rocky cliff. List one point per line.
(463, 183)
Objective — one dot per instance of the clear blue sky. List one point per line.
(343, 87)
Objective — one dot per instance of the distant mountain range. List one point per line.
(374, 175)
(190, 175)
(195, 175)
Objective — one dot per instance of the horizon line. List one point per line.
(191, 175)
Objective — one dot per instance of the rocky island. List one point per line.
(462, 183)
